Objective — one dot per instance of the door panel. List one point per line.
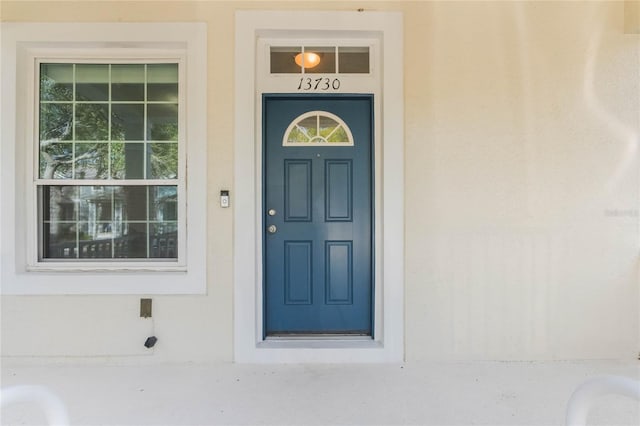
(298, 275)
(338, 189)
(339, 272)
(318, 218)
(297, 187)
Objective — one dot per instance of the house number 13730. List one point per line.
(322, 83)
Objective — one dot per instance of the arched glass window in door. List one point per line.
(316, 128)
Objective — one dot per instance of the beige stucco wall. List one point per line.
(521, 179)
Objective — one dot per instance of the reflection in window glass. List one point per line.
(127, 160)
(92, 122)
(162, 161)
(162, 82)
(127, 122)
(326, 57)
(127, 82)
(92, 82)
(109, 106)
(282, 60)
(163, 203)
(56, 160)
(91, 161)
(308, 126)
(162, 240)
(162, 122)
(56, 82)
(317, 128)
(353, 60)
(319, 60)
(93, 222)
(108, 123)
(56, 122)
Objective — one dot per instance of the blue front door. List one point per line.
(318, 204)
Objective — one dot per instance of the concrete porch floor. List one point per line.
(489, 393)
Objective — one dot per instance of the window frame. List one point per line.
(23, 44)
(104, 56)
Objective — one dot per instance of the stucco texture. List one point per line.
(521, 188)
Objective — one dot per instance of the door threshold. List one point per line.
(319, 342)
(321, 337)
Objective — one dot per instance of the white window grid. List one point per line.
(178, 182)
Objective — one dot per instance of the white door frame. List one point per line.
(388, 342)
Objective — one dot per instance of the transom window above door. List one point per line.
(317, 128)
(319, 60)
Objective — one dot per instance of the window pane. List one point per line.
(309, 126)
(297, 136)
(133, 202)
(91, 161)
(326, 57)
(127, 160)
(162, 161)
(162, 82)
(327, 125)
(95, 204)
(162, 122)
(95, 240)
(59, 203)
(127, 82)
(92, 82)
(163, 240)
(163, 203)
(353, 60)
(339, 135)
(127, 122)
(135, 239)
(56, 82)
(56, 160)
(283, 60)
(59, 240)
(56, 122)
(92, 122)
(163, 212)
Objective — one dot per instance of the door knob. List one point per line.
(272, 229)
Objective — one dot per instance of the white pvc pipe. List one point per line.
(53, 407)
(583, 397)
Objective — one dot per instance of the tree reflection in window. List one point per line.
(316, 128)
(104, 131)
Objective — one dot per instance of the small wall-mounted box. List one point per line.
(224, 198)
(145, 308)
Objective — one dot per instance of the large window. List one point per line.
(103, 154)
(109, 169)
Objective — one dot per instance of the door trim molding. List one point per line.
(388, 345)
